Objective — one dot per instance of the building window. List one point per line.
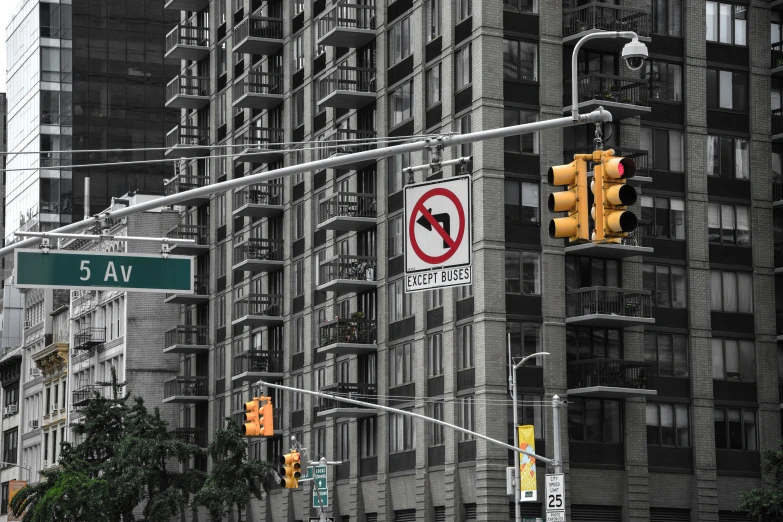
(400, 41)
(667, 285)
(462, 67)
(466, 127)
(667, 352)
(402, 436)
(728, 157)
(400, 304)
(4, 495)
(298, 224)
(299, 6)
(665, 148)
(299, 334)
(298, 104)
(595, 420)
(435, 431)
(731, 291)
(10, 441)
(298, 269)
(298, 54)
(664, 80)
(367, 437)
(729, 224)
(342, 442)
(464, 9)
(521, 202)
(434, 299)
(432, 79)
(735, 429)
(435, 355)
(433, 19)
(665, 217)
(525, 340)
(733, 360)
(222, 58)
(221, 311)
(523, 273)
(727, 23)
(466, 416)
(521, 6)
(220, 362)
(466, 352)
(11, 395)
(668, 425)
(524, 143)
(520, 60)
(401, 104)
(400, 365)
(666, 16)
(395, 165)
(319, 441)
(727, 90)
(395, 236)
(464, 292)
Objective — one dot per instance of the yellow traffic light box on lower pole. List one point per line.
(290, 469)
(612, 196)
(573, 200)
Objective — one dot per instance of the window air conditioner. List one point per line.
(33, 424)
(28, 324)
(35, 372)
(46, 463)
(55, 407)
(10, 409)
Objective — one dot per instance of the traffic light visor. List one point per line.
(619, 168)
(562, 174)
(562, 201)
(563, 227)
(621, 221)
(618, 195)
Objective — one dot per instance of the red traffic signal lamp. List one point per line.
(290, 469)
(613, 221)
(259, 419)
(573, 200)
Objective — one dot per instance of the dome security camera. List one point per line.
(634, 54)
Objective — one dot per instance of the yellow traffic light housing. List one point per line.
(613, 221)
(290, 469)
(573, 200)
(266, 417)
(252, 426)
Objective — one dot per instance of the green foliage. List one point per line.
(120, 463)
(767, 503)
(233, 478)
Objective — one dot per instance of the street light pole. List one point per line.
(512, 379)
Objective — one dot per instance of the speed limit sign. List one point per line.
(555, 498)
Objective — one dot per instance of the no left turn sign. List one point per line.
(437, 228)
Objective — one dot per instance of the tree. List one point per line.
(767, 503)
(233, 477)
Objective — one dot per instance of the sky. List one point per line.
(6, 8)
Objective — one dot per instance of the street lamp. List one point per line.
(512, 380)
(634, 53)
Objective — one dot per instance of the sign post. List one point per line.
(555, 498)
(437, 227)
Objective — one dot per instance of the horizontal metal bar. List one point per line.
(464, 159)
(107, 237)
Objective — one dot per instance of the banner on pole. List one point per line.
(527, 465)
(13, 488)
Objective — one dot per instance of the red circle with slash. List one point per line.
(453, 243)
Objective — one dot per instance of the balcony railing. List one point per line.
(358, 268)
(347, 204)
(344, 141)
(258, 82)
(607, 17)
(344, 78)
(199, 233)
(259, 304)
(259, 194)
(187, 35)
(195, 436)
(777, 55)
(355, 331)
(186, 85)
(777, 188)
(184, 182)
(259, 249)
(608, 301)
(777, 122)
(641, 237)
(188, 335)
(258, 361)
(89, 338)
(186, 387)
(187, 136)
(259, 27)
(347, 16)
(88, 392)
(261, 138)
(359, 391)
(609, 87)
(615, 373)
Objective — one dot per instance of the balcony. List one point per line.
(187, 339)
(184, 182)
(777, 59)
(347, 87)
(777, 126)
(258, 364)
(258, 90)
(610, 378)
(597, 16)
(198, 233)
(260, 145)
(777, 191)
(636, 243)
(186, 390)
(200, 293)
(624, 97)
(187, 42)
(345, 273)
(89, 338)
(256, 310)
(348, 337)
(346, 25)
(187, 92)
(187, 141)
(608, 307)
(260, 200)
(347, 141)
(258, 35)
(328, 408)
(259, 255)
(195, 436)
(186, 5)
(346, 211)
(83, 395)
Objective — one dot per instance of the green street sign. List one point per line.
(308, 474)
(103, 271)
(320, 477)
(320, 498)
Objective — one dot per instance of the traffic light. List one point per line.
(259, 420)
(612, 196)
(290, 469)
(574, 200)
(266, 417)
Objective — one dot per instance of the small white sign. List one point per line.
(555, 516)
(555, 495)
